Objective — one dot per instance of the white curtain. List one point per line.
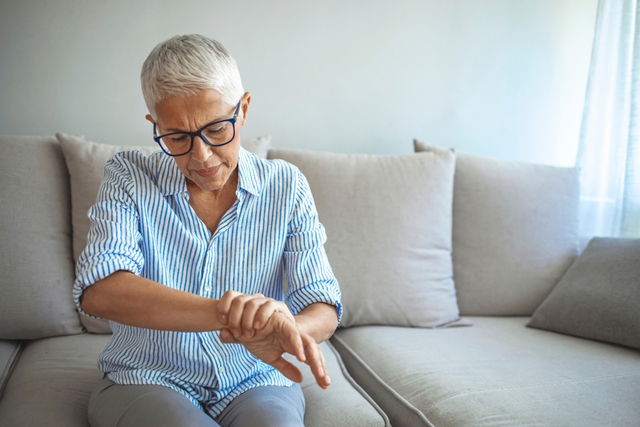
(609, 148)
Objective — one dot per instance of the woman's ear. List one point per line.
(246, 100)
(150, 118)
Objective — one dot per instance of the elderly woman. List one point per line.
(186, 256)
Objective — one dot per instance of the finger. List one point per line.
(251, 307)
(288, 370)
(227, 337)
(294, 344)
(327, 378)
(315, 362)
(235, 314)
(224, 305)
(264, 313)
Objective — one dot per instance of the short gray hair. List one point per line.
(183, 65)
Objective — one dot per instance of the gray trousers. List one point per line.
(116, 405)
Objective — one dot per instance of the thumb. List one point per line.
(227, 337)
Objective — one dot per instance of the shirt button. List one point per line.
(185, 194)
(221, 369)
(207, 288)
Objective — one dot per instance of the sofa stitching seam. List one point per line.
(404, 402)
(358, 387)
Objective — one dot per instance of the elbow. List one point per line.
(95, 300)
(88, 301)
(332, 330)
(98, 299)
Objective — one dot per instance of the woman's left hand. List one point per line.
(245, 314)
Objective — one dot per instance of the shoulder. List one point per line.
(135, 164)
(137, 171)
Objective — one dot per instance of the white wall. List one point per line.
(504, 78)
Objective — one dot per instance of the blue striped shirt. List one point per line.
(142, 222)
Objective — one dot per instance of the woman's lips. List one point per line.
(208, 172)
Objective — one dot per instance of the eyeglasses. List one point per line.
(220, 132)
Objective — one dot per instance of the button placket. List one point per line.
(208, 276)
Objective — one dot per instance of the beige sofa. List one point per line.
(465, 358)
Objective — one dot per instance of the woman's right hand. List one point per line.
(281, 335)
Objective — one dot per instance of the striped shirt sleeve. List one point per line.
(309, 274)
(114, 237)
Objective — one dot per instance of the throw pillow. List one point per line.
(85, 161)
(388, 222)
(599, 296)
(514, 232)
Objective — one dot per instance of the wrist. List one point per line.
(213, 315)
(303, 323)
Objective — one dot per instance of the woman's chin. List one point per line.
(207, 184)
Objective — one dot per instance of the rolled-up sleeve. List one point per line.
(113, 242)
(309, 274)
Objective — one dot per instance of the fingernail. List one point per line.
(251, 332)
(223, 318)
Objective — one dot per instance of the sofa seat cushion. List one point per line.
(499, 372)
(52, 382)
(54, 378)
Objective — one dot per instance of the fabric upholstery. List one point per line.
(388, 222)
(599, 296)
(514, 232)
(497, 373)
(54, 378)
(9, 355)
(35, 231)
(85, 161)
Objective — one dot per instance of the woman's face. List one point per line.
(209, 168)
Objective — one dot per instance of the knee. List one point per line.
(277, 415)
(269, 407)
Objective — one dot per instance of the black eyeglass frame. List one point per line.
(198, 132)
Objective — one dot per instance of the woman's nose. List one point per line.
(201, 151)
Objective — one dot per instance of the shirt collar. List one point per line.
(171, 180)
(248, 172)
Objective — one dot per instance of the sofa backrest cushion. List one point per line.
(388, 224)
(35, 230)
(85, 161)
(514, 232)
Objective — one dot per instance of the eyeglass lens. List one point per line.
(215, 134)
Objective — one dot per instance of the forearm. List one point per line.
(319, 320)
(132, 300)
